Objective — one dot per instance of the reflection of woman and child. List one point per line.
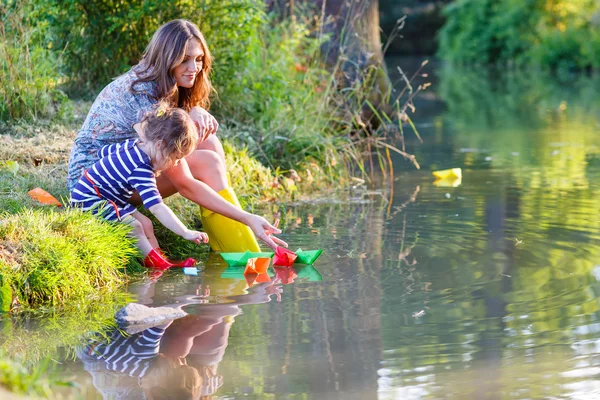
(147, 136)
(175, 360)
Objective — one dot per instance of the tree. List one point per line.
(353, 46)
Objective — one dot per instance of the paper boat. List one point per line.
(257, 266)
(284, 257)
(43, 197)
(241, 259)
(307, 256)
(448, 174)
(308, 272)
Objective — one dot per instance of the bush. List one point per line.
(103, 39)
(28, 70)
(285, 116)
(50, 258)
(559, 34)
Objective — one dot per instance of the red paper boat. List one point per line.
(284, 257)
(286, 275)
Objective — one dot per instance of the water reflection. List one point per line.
(484, 290)
(176, 359)
(505, 290)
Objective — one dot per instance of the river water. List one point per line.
(486, 290)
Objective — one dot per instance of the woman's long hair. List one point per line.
(166, 51)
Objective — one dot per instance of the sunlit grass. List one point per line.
(51, 257)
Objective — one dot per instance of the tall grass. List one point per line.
(53, 258)
(28, 70)
(296, 113)
(27, 380)
(276, 104)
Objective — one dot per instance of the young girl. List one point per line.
(167, 135)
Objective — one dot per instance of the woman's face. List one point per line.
(187, 72)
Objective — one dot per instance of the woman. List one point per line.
(175, 67)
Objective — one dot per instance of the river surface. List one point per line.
(483, 288)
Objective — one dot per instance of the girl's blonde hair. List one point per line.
(166, 51)
(174, 128)
(168, 379)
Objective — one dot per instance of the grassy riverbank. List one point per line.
(290, 131)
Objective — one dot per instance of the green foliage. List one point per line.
(286, 115)
(556, 34)
(28, 69)
(102, 39)
(31, 343)
(17, 378)
(57, 257)
(32, 337)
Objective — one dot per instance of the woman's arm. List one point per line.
(200, 193)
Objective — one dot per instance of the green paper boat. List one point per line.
(240, 259)
(238, 273)
(309, 273)
(307, 257)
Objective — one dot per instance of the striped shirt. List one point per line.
(122, 169)
(131, 355)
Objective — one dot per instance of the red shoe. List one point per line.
(156, 260)
(188, 262)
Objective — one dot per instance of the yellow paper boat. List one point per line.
(448, 174)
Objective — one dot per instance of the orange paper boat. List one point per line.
(251, 279)
(257, 266)
(43, 197)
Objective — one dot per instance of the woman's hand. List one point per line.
(206, 123)
(195, 236)
(263, 231)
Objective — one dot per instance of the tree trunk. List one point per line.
(355, 38)
(354, 49)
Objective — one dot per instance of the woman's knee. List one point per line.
(208, 167)
(213, 143)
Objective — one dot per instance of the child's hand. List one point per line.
(195, 236)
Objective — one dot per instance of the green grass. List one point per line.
(32, 381)
(52, 257)
(27, 69)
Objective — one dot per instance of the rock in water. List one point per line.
(136, 317)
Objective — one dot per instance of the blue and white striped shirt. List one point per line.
(121, 169)
(131, 355)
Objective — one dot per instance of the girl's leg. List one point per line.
(138, 232)
(149, 234)
(208, 167)
(148, 228)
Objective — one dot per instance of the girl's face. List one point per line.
(161, 160)
(185, 73)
